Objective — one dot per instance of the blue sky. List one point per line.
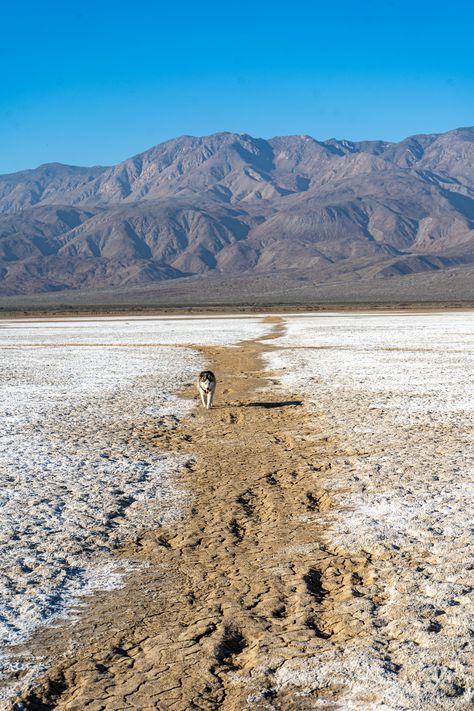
(96, 82)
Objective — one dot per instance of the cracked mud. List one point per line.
(240, 586)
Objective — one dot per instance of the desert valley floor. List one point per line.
(306, 544)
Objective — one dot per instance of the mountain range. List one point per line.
(232, 209)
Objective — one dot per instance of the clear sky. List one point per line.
(93, 82)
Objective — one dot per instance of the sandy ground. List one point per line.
(76, 479)
(236, 588)
(325, 559)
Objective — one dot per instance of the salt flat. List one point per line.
(75, 478)
(395, 395)
(336, 535)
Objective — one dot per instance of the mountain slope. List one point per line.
(233, 204)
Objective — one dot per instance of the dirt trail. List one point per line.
(241, 584)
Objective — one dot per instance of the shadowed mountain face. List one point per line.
(231, 204)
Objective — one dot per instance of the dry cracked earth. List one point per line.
(242, 584)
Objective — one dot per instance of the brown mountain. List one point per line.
(229, 205)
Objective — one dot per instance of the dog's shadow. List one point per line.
(270, 405)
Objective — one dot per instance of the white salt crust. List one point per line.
(396, 393)
(75, 477)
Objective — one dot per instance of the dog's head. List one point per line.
(207, 380)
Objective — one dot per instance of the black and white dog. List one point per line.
(207, 387)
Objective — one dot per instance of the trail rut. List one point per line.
(244, 582)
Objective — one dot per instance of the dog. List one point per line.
(207, 387)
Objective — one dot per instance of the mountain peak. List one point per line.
(230, 203)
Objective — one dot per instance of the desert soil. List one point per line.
(243, 583)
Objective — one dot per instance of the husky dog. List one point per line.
(207, 387)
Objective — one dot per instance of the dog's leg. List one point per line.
(211, 398)
(208, 400)
(203, 402)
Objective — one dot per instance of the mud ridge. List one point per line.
(242, 584)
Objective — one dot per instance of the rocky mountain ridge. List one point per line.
(233, 204)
